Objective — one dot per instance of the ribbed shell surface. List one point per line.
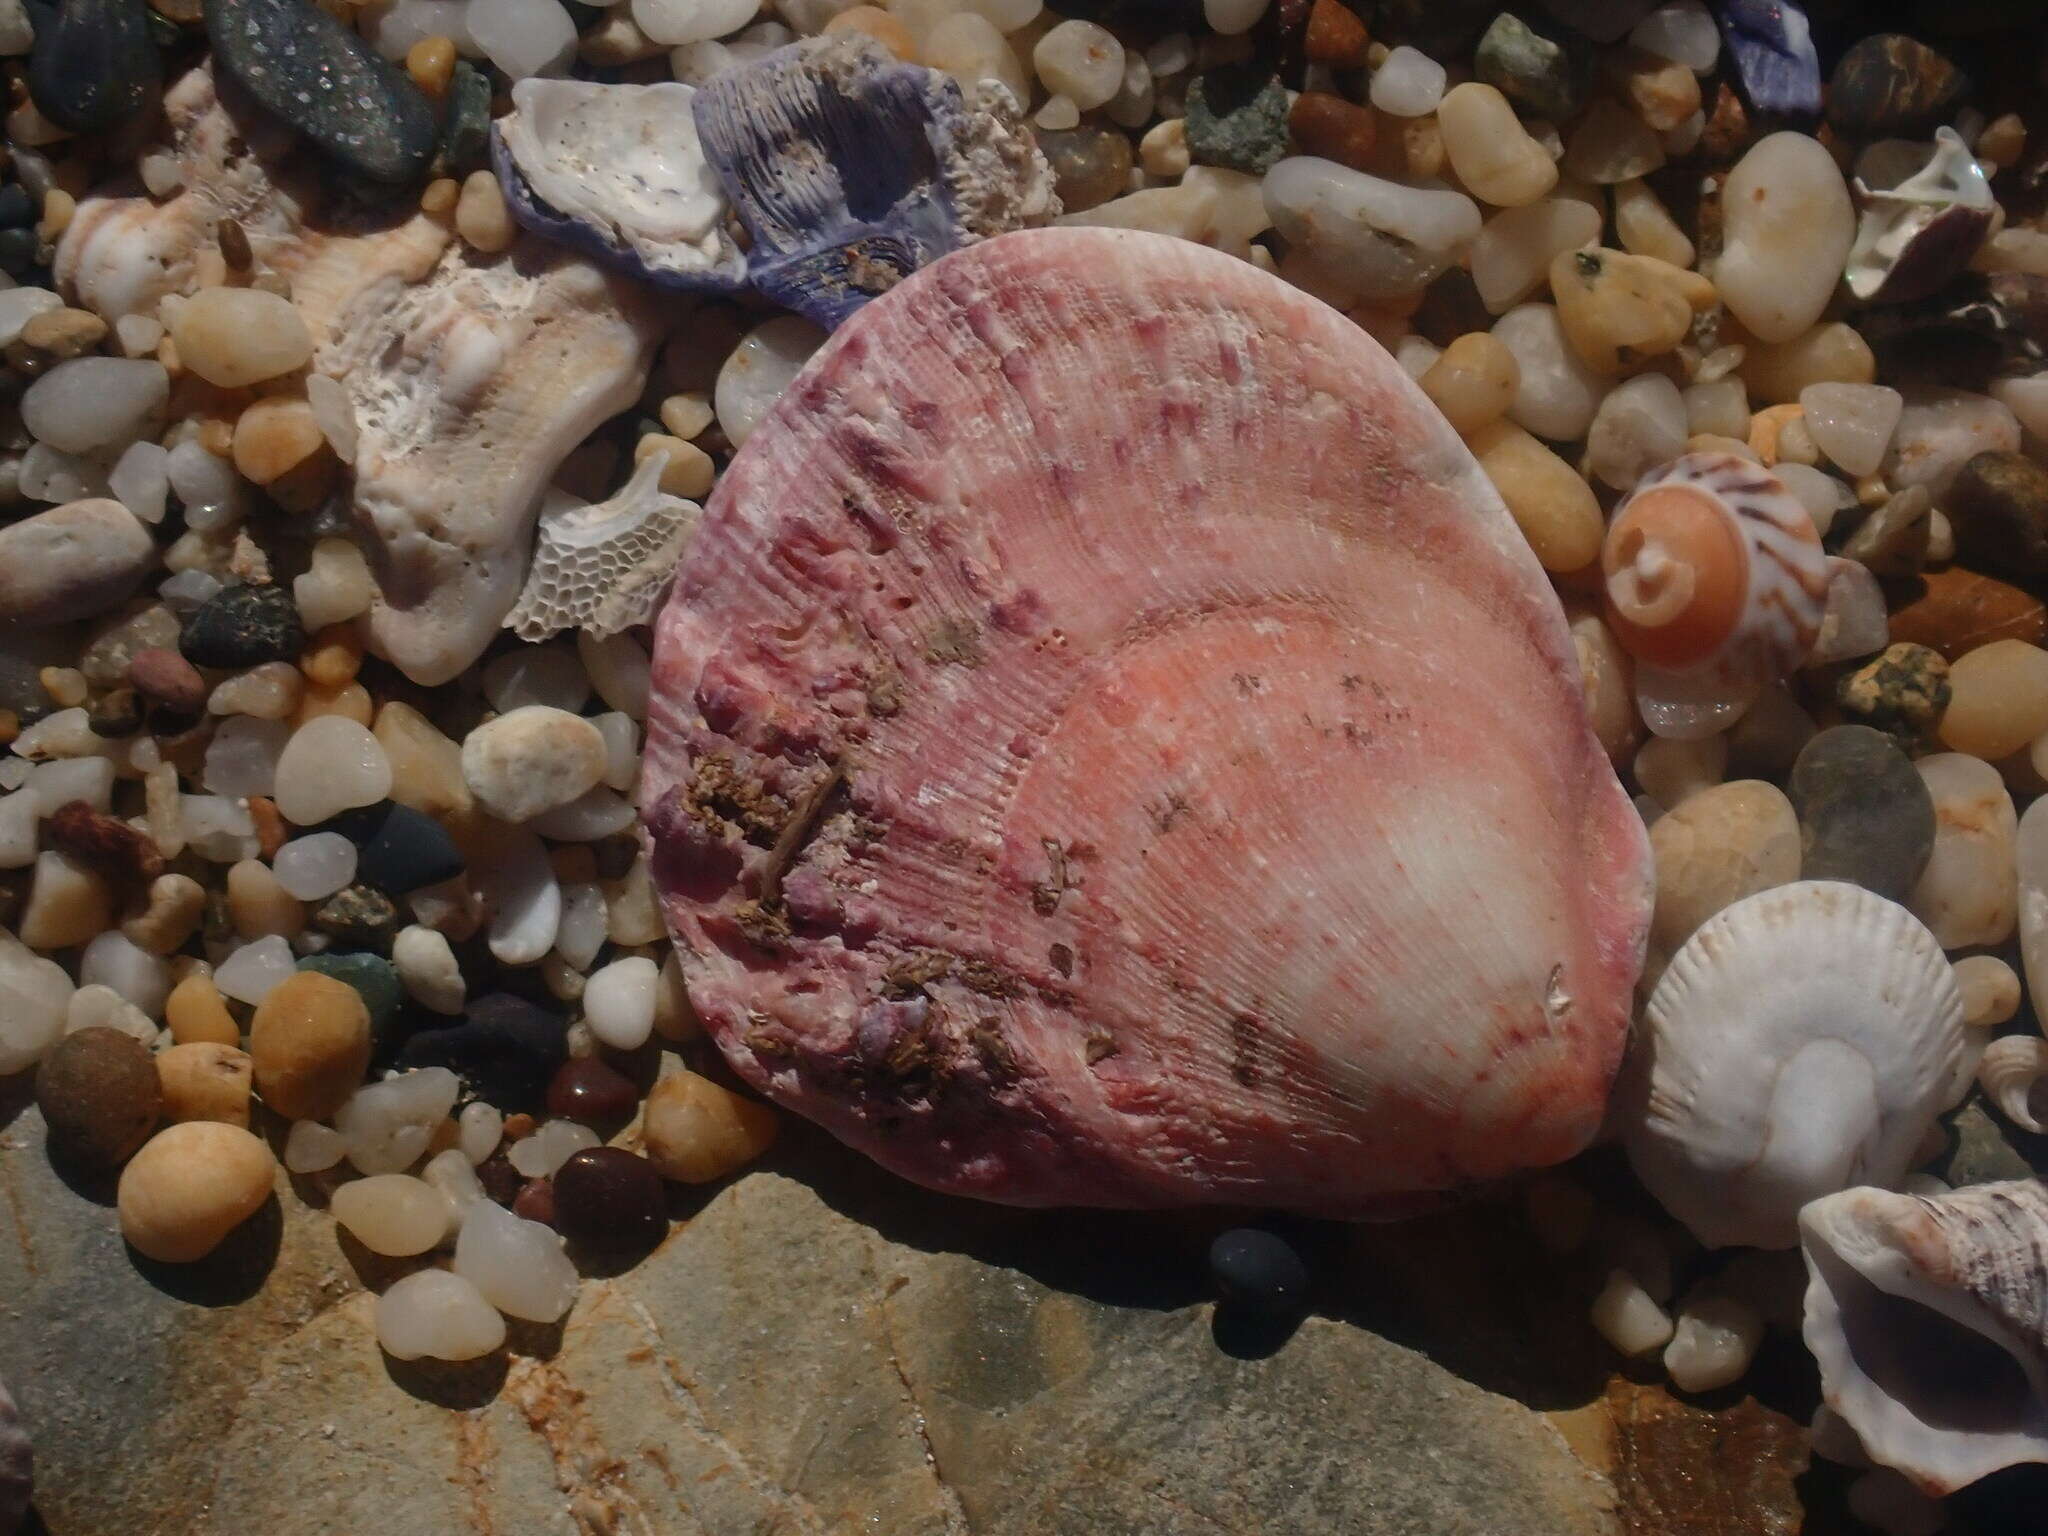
(1111, 746)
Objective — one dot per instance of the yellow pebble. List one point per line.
(1474, 382)
(431, 63)
(205, 1080)
(310, 1041)
(1830, 353)
(688, 414)
(196, 1012)
(275, 436)
(878, 24)
(694, 1131)
(351, 700)
(1645, 226)
(333, 657)
(1489, 149)
(1619, 311)
(1551, 504)
(1768, 425)
(690, 470)
(190, 1186)
(58, 208)
(440, 195)
(1998, 699)
(64, 685)
(481, 217)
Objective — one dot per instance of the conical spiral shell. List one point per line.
(2009, 1071)
(1929, 1318)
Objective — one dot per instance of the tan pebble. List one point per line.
(1489, 149)
(238, 336)
(1473, 383)
(67, 904)
(1663, 92)
(1555, 508)
(274, 437)
(694, 1131)
(632, 912)
(1620, 311)
(351, 700)
(392, 1214)
(1608, 673)
(689, 472)
(1645, 226)
(1723, 844)
(333, 657)
(217, 437)
(271, 833)
(431, 63)
(64, 685)
(877, 23)
(64, 333)
(176, 904)
(520, 1126)
(573, 863)
(1998, 699)
(58, 208)
(310, 1040)
(205, 1081)
(233, 241)
(481, 217)
(259, 906)
(196, 1012)
(1714, 442)
(1830, 353)
(190, 1186)
(1163, 152)
(2002, 142)
(426, 767)
(687, 414)
(1672, 772)
(675, 1020)
(1767, 426)
(269, 691)
(441, 195)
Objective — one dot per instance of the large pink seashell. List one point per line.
(1110, 746)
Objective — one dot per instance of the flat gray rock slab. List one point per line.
(777, 1366)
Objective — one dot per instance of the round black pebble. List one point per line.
(1259, 1272)
(398, 849)
(607, 1199)
(536, 1201)
(591, 1093)
(17, 250)
(17, 208)
(506, 1048)
(242, 626)
(94, 64)
(501, 1181)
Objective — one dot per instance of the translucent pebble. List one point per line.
(519, 1266)
(438, 1315)
(548, 1148)
(1821, 494)
(1683, 32)
(1786, 229)
(522, 37)
(250, 972)
(1080, 61)
(692, 21)
(91, 404)
(98, 1007)
(517, 884)
(18, 306)
(1409, 84)
(18, 821)
(970, 49)
(141, 480)
(218, 829)
(393, 1214)
(336, 586)
(1511, 255)
(90, 779)
(393, 29)
(481, 1127)
(1714, 1341)
(761, 367)
(238, 336)
(34, 996)
(550, 674)
(598, 813)
(618, 1002)
(618, 669)
(428, 969)
(330, 765)
(1852, 423)
(1230, 17)
(622, 749)
(1639, 425)
(205, 483)
(581, 933)
(111, 960)
(1557, 393)
(389, 1124)
(1628, 1317)
(50, 474)
(452, 1176)
(316, 866)
(67, 733)
(1388, 240)
(335, 413)
(310, 1147)
(1007, 15)
(242, 757)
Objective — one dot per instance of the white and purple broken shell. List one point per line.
(604, 567)
(851, 170)
(617, 172)
(1920, 230)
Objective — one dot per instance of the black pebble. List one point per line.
(398, 849)
(506, 1048)
(466, 131)
(17, 208)
(320, 77)
(94, 64)
(242, 626)
(609, 1200)
(17, 250)
(1259, 1272)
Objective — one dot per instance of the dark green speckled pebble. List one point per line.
(316, 74)
(94, 64)
(1237, 118)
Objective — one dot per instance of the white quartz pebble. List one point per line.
(970, 49)
(1230, 17)
(1080, 61)
(1387, 240)
(250, 972)
(330, 765)
(427, 969)
(550, 674)
(480, 1128)
(529, 760)
(141, 480)
(218, 829)
(1712, 1343)
(1628, 1317)
(334, 413)
(207, 485)
(1557, 393)
(1511, 256)
(90, 779)
(618, 1002)
(388, 1125)
(315, 866)
(1852, 423)
(518, 887)
(50, 474)
(1820, 493)
(518, 1266)
(619, 670)
(760, 368)
(1938, 432)
(97, 1007)
(691, 21)
(188, 589)
(621, 749)
(581, 932)
(1786, 227)
(92, 404)
(439, 1315)
(1683, 32)
(1639, 425)
(310, 1147)
(1007, 15)
(337, 585)
(112, 960)
(596, 813)
(19, 818)
(452, 1176)
(1409, 84)
(1968, 896)
(522, 37)
(34, 996)
(540, 1154)
(393, 29)
(18, 306)
(392, 1213)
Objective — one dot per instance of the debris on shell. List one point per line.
(851, 170)
(1915, 235)
(605, 567)
(617, 172)
(1799, 1043)
(1929, 1318)
(469, 390)
(2009, 1071)
(943, 744)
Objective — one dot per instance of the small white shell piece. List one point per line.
(1929, 1319)
(1800, 1042)
(2010, 1072)
(606, 566)
(1894, 216)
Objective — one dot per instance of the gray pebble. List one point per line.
(72, 562)
(1864, 812)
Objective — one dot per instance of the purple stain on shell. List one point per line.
(1771, 44)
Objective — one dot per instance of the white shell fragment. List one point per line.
(1929, 1319)
(2011, 1072)
(605, 567)
(1915, 236)
(1800, 1042)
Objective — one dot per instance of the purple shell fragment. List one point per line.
(851, 170)
(1771, 44)
(616, 172)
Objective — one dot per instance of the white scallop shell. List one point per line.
(2009, 1071)
(1929, 1319)
(1800, 1042)
(606, 566)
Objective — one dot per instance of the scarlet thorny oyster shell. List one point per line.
(1110, 746)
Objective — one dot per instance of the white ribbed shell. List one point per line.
(1799, 1043)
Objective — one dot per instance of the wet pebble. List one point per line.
(506, 1049)
(517, 1265)
(242, 626)
(591, 1092)
(609, 1200)
(93, 65)
(1902, 692)
(1335, 36)
(1237, 118)
(1259, 1272)
(1969, 893)
(392, 1214)
(1998, 700)
(99, 1094)
(190, 1186)
(360, 916)
(1865, 814)
(331, 764)
(1787, 224)
(694, 1131)
(1090, 165)
(72, 562)
(1998, 505)
(1890, 86)
(437, 1315)
(310, 1043)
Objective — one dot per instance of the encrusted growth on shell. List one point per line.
(617, 171)
(1914, 236)
(1929, 1319)
(1800, 1042)
(606, 566)
(851, 170)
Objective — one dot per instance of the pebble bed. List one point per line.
(269, 900)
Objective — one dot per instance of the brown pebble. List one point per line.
(205, 1081)
(165, 675)
(1957, 610)
(520, 1126)
(1327, 125)
(64, 333)
(1727, 133)
(197, 1012)
(1336, 36)
(105, 842)
(99, 1095)
(609, 1200)
(501, 1181)
(234, 245)
(271, 832)
(587, 1090)
(310, 1042)
(535, 1201)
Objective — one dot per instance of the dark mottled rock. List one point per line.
(318, 75)
(94, 64)
(373, 978)
(17, 209)
(1890, 86)
(1326, 125)
(1259, 1272)
(506, 1048)
(1548, 75)
(1981, 1153)
(610, 1201)
(358, 915)
(115, 714)
(466, 129)
(107, 843)
(1335, 36)
(1864, 812)
(501, 1181)
(398, 849)
(99, 1094)
(1090, 165)
(1902, 691)
(243, 626)
(1770, 45)
(1998, 506)
(1237, 118)
(591, 1092)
